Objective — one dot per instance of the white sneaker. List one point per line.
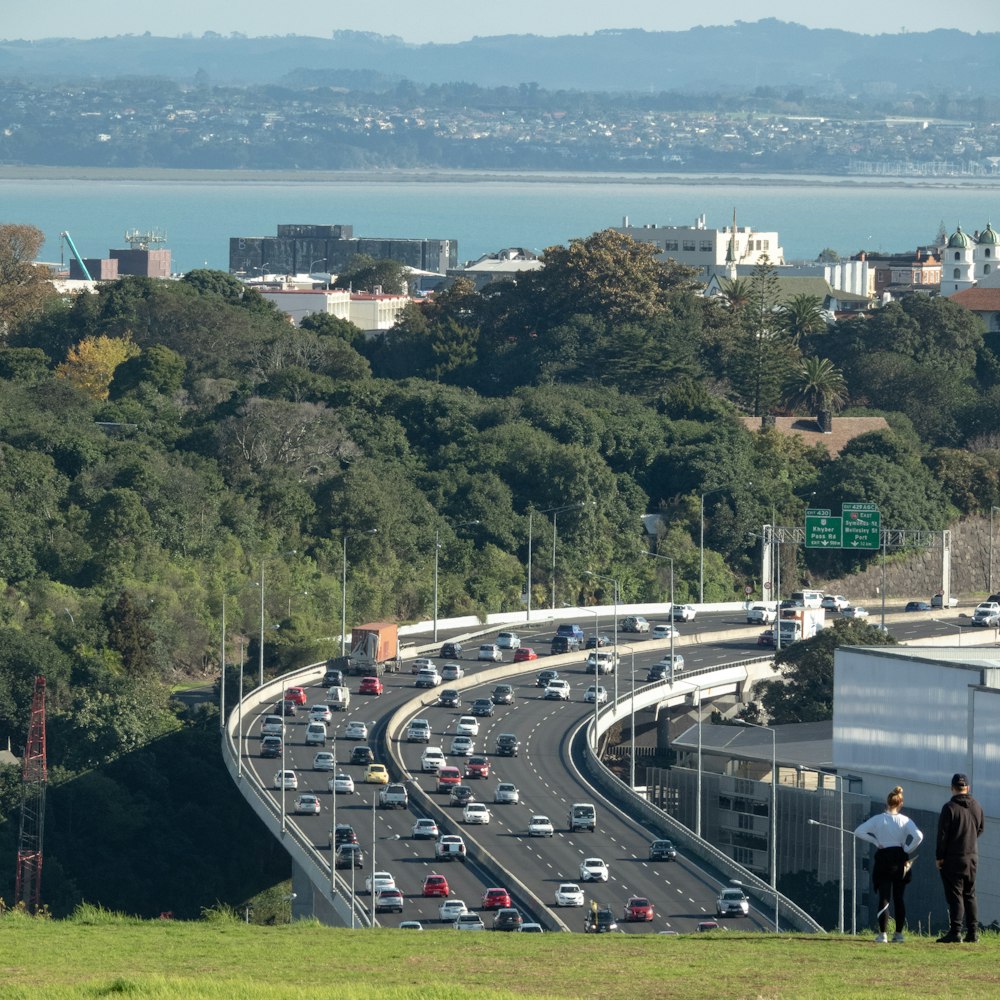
(882, 938)
(898, 938)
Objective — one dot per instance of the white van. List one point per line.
(582, 816)
(338, 698)
(808, 598)
(316, 734)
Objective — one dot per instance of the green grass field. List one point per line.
(99, 955)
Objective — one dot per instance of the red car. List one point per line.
(371, 685)
(638, 908)
(298, 695)
(496, 899)
(478, 767)
(524, 653)
(436, 885)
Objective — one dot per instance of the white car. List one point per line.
(509, 640)
(324, 761)
(273, 725)
(732, 903)
(307, 804)
(468, 725)
(595, 693)
(476, 812)
(469, 922)
(854, 612)
(835, 602)
(415, 925)
(320, 713)
(427, 678)
(425, 829)
(287, 780)
(557, 690)
(383, 880)
(664, 631)
(593, 870)
(421, 663)
(342, 784)
(569, 894)
(507, 794)
(540, 826)
(684, 612)
(462, 746)
(450, 910)
(490, 652)
(432, 760)
(356, 731)
(452, 672)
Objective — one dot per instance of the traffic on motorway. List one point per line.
(496, 763)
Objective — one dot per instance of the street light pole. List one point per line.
(437, 550)
(614, 582)
(555, 512)
(261, 682)
(701, 547)
(774, 811)
(531, 513)
(333, 821)
(673, 628)
(992, 508)
(239, 721)
(222, 685)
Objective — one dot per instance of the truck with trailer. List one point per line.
(374, 649)
(799, 623)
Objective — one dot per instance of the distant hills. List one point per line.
(732, 59)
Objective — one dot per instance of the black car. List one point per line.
(601, 922)
(350, 856)
(507, 745)
(597, 642)
(545, 676)
(450, 698)
(451, 651)
(270, 746)
(482, 707)
(662, 850)
(917, 606)
(564, 644)
(333, 678)
(656, 673)
(285, 707)
(344, 834)
(362, 755)
(460, 795)
(507, 919)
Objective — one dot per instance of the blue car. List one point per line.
(917, 606)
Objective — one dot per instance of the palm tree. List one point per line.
(817, 384)
(735, 293)
(802, 315)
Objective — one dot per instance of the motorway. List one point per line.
(546, 775)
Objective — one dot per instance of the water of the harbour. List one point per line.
(198, 217)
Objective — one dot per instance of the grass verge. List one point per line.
(98, 954)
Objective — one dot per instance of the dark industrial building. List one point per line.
(139, 260)
(311, 249)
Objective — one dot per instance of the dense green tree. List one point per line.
(804, 693)
(366, 274)
(24, 285)
(817, 385)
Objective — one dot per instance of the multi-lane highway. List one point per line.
(546, 775)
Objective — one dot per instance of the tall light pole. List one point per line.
(774, 811)
(854, 867)
(437, 550)
(239, 721)
(673, 628)
(992, 508)
(333, 821)
(555, 512)
(222, 685)
(343, 591)
(614, 582)
(695, 689)
(531, 513)
(261, 650)
(631, 769)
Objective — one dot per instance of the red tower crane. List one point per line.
(34, 777)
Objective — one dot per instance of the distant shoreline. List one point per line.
(442, 176)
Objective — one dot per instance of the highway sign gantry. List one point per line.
(862, 525)
(823, 531)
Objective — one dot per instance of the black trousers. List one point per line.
(958, 875)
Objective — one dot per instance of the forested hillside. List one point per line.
(164, 444)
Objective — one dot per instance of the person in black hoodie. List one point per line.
(959, 827)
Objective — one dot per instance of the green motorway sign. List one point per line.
(823, 531)
(862, 525)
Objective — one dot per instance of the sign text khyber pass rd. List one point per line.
(858, 527)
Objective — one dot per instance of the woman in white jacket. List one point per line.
(896, 838)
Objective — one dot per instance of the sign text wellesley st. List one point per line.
(858, 527)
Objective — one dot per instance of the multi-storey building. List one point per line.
(304, 249)
(970, 261)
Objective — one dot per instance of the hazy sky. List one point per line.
(450, 21)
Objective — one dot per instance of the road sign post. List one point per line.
(862, 525)
(823, 531)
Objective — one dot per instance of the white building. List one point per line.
(373, 313)
(970, 261)
(914, 717)
(708, 250)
